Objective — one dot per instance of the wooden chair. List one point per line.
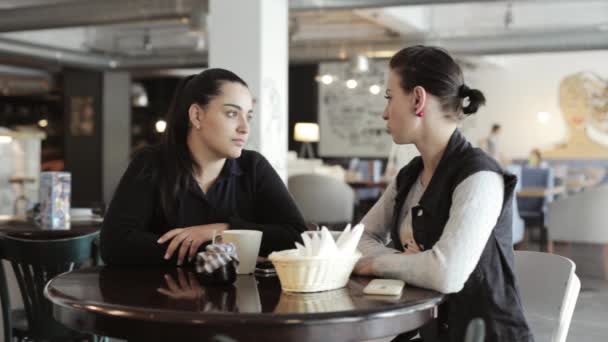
(35, 262)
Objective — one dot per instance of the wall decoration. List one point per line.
(350, 118)
(82, 116)
(583, 99)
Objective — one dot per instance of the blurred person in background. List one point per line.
(535, 159)
(491, 143)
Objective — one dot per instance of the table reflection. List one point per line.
(327, 301)
(181, 288)
(185, 289)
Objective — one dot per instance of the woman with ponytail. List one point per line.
(444, 222)
(199, 182)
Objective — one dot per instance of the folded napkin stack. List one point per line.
(323, 244)
(321, 263)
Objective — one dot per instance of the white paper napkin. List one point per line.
(323, 244)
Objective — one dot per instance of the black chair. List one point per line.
(35, 262)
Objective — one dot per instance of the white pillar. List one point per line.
(116, 133)
(250, 38)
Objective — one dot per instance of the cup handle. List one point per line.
(217, 238)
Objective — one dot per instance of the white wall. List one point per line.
(116, 123)
(517, 87)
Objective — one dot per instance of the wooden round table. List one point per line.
(21, 228)
(161, 304)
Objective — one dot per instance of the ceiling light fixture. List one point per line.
(359, 63)
(327, 79)
(160, 126)
(147, 43)
(509, 16)
(374, 89)
(139, 96)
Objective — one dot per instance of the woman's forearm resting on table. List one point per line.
(476, 206)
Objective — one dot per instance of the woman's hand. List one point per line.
(186, 286)
(364, 266)
(187, 240)
(411, 247)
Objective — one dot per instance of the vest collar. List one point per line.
(436, 188)
(456, 146)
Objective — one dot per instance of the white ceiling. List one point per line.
(458, 20)
(477, 27)
(7, 4)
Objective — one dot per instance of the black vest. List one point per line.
(491, 291)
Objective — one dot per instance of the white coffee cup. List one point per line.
(247, 243)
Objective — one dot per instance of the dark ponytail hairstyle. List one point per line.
(433, 69)
(178, 162)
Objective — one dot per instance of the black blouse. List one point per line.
(248, 194)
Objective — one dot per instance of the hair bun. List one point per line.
(463, 91)
(476, 99)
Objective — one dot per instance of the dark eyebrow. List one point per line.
(233, 105)
(236, 106)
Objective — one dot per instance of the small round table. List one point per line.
(20, 227)
(160, 304)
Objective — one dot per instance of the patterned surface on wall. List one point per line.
(350, 120)
(583, 101)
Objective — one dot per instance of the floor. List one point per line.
(590, 320)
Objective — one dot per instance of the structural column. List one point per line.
(116, 129)
(250, 39)
(97, 132)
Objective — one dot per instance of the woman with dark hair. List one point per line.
(444, 222)
(198, 182)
